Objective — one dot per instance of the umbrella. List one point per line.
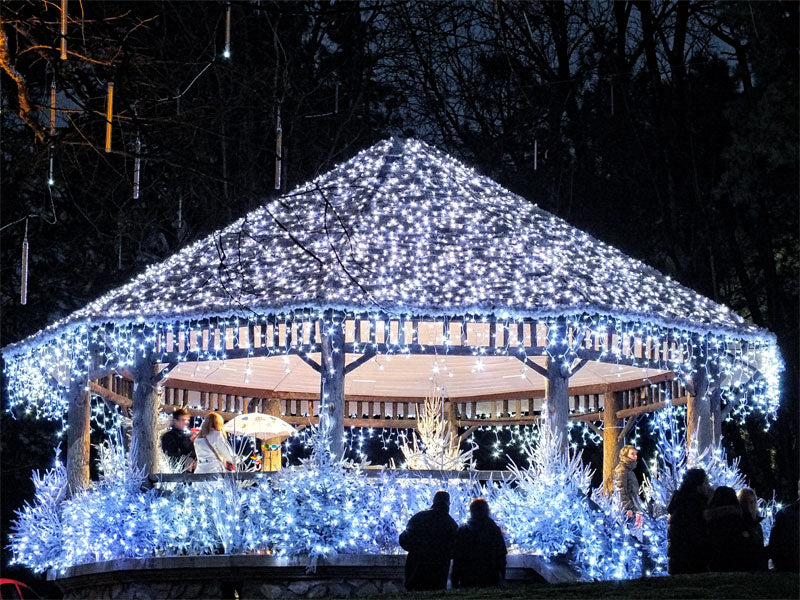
(259, 425)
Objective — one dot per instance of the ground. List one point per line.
(706, 585)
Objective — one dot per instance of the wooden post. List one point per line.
(272, 458)
(699, 427)
(144, 442)
(556, 386)
(332, 380)
(78, 440)
(612, 426)
(449, 410)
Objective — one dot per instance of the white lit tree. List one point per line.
(437, 447)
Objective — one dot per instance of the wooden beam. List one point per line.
(529, 363)
(307, 359)
(367, 356)
(587, 417)
(582, 363)
(467, 433)
(628, 425)
(647, 408)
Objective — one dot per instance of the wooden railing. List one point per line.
(586, 404)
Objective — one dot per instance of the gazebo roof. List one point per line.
(403, 228)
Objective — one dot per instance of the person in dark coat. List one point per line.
(727, 539)
(755, 557)
(687, 542)
(429, 538)
(177, 442)
(479, 558)
(625, 481)
(784, 539)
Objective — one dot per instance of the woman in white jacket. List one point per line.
(211, 446)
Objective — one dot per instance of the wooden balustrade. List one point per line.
(299, 333)
(388, 412)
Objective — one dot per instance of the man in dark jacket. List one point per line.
(687, 541)
(784, 539)
(479, 558)
(429, 538)
(177, 443)
(625, 481)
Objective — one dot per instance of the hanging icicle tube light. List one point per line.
(137, 168)
(109, 114)
(51, 147)
(23, 285)
(278, 149)
(63, 29)
(226, 53)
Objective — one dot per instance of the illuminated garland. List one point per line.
(399, 231)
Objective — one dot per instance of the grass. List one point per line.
(707, 585)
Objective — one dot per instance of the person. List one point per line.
(211, 446)
(686, 529)
(479, 557)
(727, 541)
(784, 538)
(177, 442)
(428, 538)
(755, 557)
(625, 481)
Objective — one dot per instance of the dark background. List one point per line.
(667, 129)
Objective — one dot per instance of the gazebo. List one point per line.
(399, 271)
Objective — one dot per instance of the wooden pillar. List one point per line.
(449, 412)
(332, 380)
(144, 440)
(699, 426)
(556, 386)
(612, 442)
(272, 458)
(79, 412)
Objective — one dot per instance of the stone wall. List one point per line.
(256, 577)
(252, 576)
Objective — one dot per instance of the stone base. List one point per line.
(251, 576)
(256, 577)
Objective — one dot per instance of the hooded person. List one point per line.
(625, 481)
(429, 538)
(727, 532)
(687, 541)
(479, 558)
(784, 539)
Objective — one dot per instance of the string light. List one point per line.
(401, 232)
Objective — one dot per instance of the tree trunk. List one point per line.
(556, 386)
(272, 458)
(332, 380)
(699, 427)
(144, 441)
(78, 439)
(612, 426)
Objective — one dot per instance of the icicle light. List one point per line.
(403, 232)
(278, 149)
(53, 106)
(137, 168)
(63, 29)
(227, 51)
(23, 284)
(109, 115)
